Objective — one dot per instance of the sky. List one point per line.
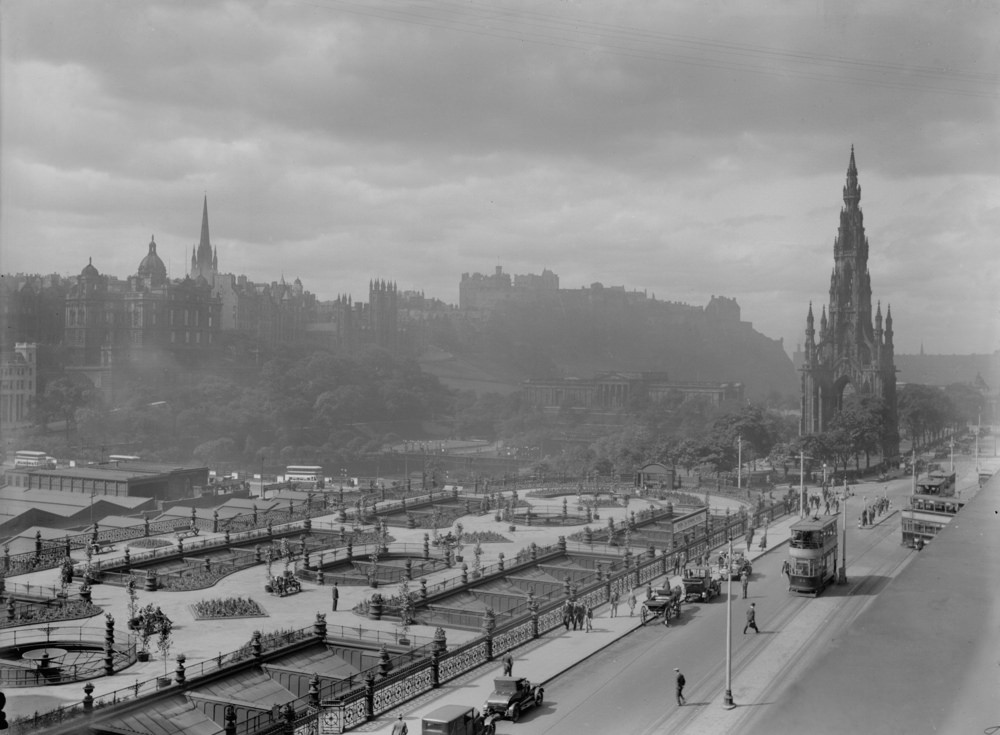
(682, 149)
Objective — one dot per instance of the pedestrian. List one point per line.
(581, 614)
(631, 603)
(786, 569)
(508, 664)
(680, 688)
(751, 618)
(399, 727)
(567, 614)
(745, 581)
(336, 596)
(649, 591)
(589, 618)
(615, 599)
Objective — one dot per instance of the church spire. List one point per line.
(204, 245)
(852, 191)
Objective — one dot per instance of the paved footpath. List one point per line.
(547, 657)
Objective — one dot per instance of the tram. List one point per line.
(812, 552)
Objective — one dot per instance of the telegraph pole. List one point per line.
(727, 700)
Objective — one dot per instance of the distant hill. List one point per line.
(519, 341)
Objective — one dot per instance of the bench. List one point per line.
(186, 531)
(102, 547)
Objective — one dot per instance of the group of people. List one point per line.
(578, 615)
(873, 511)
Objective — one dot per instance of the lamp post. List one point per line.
(739, 463)
(802, 484)
(727, 699)
(842, 574)
(261, 475)
(951, 469)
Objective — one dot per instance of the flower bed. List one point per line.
(230, 607)
(148, 543)
(31, 614)
(484, 537)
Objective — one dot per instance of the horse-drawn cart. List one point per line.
(665, 602)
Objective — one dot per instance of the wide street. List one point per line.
(630, 684)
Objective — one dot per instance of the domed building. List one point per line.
(140, 320)
(151, 269)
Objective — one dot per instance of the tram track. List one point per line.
(831, 616)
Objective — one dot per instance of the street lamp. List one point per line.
(842, 574)
(802, 484)
(739, 463)
(261, 475)
(727, 699)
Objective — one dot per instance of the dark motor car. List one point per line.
(511, 696)
(457, 719)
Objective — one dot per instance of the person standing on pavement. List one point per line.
(615, 599)
(399, 727)
(751, 618)
(631, 603)
(508, 664)
(680, 688)
(336, 596)
(589, 618)
(745, 581)
(581, 614)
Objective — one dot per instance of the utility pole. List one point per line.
(842, 575)
(727, 700)
(739, 464)
(802, 484)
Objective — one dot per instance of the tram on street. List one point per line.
(812, 552)
(931, 508)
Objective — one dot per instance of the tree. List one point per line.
(62, 399)
(924, 412)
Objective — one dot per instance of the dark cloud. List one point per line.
(681, 149)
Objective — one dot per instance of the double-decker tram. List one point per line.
(812, 553)
(931, 508)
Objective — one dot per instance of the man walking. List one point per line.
(680, 688)
(631, 603)
(751, 618)
(786, 569)
(399, 727)
(745, 581)
(589, 618)
(615, 599)
(336, 596)
(508, 664)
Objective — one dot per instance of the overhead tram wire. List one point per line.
(552, 33)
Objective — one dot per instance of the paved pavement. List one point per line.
(554, 653)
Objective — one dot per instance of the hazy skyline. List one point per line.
(678, 148)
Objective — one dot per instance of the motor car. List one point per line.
(700, 585)
(737, 565)
(457, 719)
(511, 696)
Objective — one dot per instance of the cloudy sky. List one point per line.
(686, 149)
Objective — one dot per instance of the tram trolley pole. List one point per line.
(842, 574)
(727, 700)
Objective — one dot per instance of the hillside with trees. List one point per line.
(532, 340)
